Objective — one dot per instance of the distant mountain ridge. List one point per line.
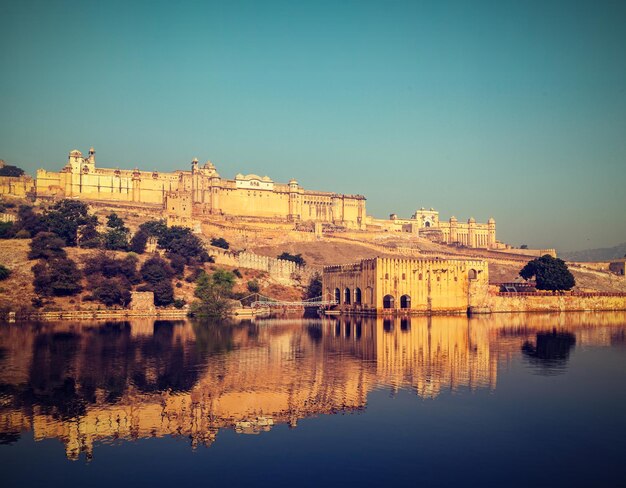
(601, 254)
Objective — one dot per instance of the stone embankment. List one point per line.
(107, 314)
(570, 302)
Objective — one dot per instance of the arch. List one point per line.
(389, 301)
(346, 296)
(473, 274)
(405, 301)
(337, 295)
(427, 224)
(357, 296)
(85, 169)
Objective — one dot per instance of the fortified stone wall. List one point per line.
(283, 271)
(199, 193)
(17, 186)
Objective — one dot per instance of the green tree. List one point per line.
(224, 280)
(116, 239)
(550, 273)
(213, 295)
(154, 228)
(314, 288)
(65, 218)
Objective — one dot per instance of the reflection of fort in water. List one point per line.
(82, 384)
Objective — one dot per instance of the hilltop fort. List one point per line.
(189, 197)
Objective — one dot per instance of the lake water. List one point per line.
(504, 400)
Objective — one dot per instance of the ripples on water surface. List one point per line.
(507, 400)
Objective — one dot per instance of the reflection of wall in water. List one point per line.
(134, 384)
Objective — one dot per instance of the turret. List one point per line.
(294, 200)
(491, 227)
(471, 232)
(194, 165)
(92, 155)
(454, 237)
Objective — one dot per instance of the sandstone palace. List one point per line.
(187, 196)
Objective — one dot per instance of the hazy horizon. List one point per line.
(516, 111)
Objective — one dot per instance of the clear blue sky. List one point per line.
(515, 110)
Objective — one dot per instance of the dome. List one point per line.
(76, 153)
(293, 181)
(453, 219)
(491, 220)
(471, 220)
(194, 160)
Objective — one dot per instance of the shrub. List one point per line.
(46, 245)
(163, 293)
(220, 242)
(179, 303)
(155, 270)
(7, 230)
(314, 289)
(253, 286)
(237, 273)
(113, 292)
(4, 272)
(89, 237)
(177, 262)
(58, 276)
(296, 258)
(109, 267)
(29, 220)
(22, 234)
(115, 222)
(139, 241)
(194, 275)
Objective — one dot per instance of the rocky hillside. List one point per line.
(600, 254)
